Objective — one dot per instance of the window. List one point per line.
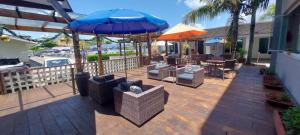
(264, 45)
(240, 43)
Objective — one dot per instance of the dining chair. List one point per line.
(228, 66)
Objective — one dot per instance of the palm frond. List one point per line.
(205, 12)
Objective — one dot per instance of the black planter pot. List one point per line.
(82, 81)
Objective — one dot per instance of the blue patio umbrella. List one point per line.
(118, 21)
(213, 41)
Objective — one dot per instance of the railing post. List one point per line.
(73, 81)
(2, 85)
(96, 68)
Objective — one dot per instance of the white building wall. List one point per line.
(255, 49)
(287, 69)
(15, 49)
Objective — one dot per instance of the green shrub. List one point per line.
(242, 52)
(269, 71)
(291, 120)
(94, 57)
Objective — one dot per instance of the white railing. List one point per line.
(13, 81)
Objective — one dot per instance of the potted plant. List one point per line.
(82, 80)
(289, 51)
(279, 99)
(242, 52)
(270, 80)
(81, 77)
(287, 122)
(262, 71)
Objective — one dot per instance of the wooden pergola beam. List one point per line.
(60, 10)
(30, 16)
(29, 4)
(36, 29)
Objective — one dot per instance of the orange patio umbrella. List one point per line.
(182, 32)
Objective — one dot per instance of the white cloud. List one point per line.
(192, 3)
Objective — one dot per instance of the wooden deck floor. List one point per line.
(232, 107)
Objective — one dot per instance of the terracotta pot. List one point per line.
(241, 60)
(276, 99)
(271, 81)
(278, 123)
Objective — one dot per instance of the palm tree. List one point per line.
(251, 7)
(214, 8)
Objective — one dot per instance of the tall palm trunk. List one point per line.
(252, 30)
(234, 31)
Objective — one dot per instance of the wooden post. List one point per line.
(166, 45)
(100, 64)
(96, 69)
(78, 64)
(2, 87)
(140, 54)
(73, 81)
(136, 48)
(125, 59)
(120, 48)
(180, 49)
(149, 48)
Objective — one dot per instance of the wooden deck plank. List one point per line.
(63, 122)
(81, 125)
(35, 123)
(232, 106)
(49, 122)
(21, 125)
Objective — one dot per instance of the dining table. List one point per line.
(213, 65)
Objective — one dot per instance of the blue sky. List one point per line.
(169, 10)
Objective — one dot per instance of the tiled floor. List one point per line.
(232, 107)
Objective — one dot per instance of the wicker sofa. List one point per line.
(192, 76)
(139, 108)
(101, 88)
(157, 71)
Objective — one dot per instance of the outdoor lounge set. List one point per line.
(191, 71)
(131, 99)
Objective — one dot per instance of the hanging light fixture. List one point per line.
(5, 38)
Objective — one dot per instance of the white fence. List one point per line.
(39, 77)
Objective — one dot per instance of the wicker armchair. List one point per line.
(138, 108)
(101, 88)
(157, 72)
(193, 77)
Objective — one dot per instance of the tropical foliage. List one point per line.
(270, 12)
(291, 120)
(214, 8)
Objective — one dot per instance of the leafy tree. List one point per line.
(270, 12)
(214, 8)
(250, 8)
